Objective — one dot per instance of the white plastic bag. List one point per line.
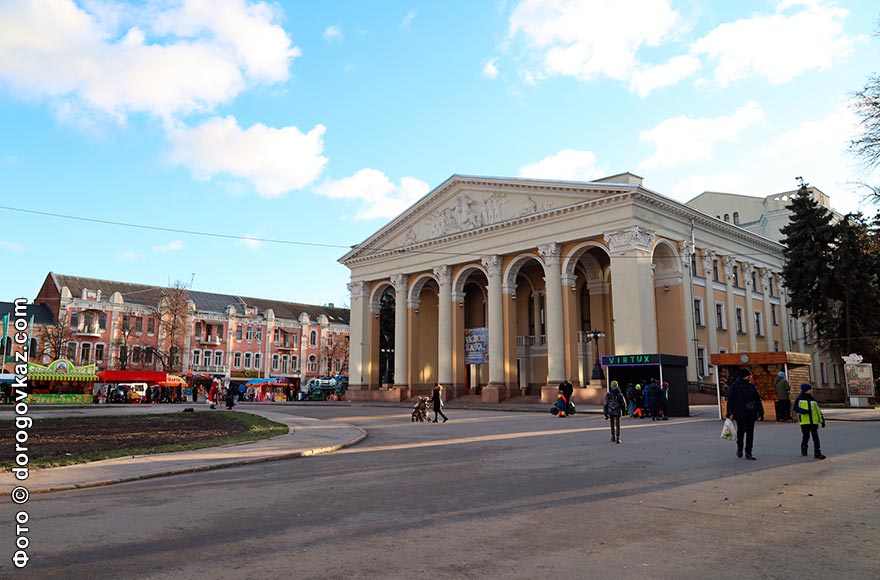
(728, 430)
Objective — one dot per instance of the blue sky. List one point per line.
(315, 123)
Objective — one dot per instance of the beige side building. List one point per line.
(542, 277)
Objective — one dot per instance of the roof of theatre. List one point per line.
(205, 301)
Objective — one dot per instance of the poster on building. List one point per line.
(476, 346)
(859, 380)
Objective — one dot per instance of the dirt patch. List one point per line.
(80, 436)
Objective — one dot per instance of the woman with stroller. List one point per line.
(437, 401)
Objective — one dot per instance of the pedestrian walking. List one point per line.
(783, 398)
(809, 417)
(613, 408)
(745, 407)
(631, 398)
(664, 399)
(437, 401)
(231, 393)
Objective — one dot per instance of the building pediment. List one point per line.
(464, 204)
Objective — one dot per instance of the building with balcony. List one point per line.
(123, 326)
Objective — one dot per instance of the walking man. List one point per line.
(744, 406)
(613, 408)
(783, 398)
(809, 417)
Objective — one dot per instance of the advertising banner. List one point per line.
(476, 346)
(859, 380)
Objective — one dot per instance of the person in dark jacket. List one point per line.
(437, 402)
(631, 398)
(613, 408)
(783, 398)
(809, 417)
(745, 407)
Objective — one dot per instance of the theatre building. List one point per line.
(502, 287)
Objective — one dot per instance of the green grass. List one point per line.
(258, 428)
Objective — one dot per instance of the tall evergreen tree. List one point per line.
(807, 270)
(854, 265)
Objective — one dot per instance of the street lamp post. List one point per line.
(597, 368)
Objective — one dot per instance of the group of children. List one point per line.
(649, 401)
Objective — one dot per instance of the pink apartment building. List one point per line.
(120, 325)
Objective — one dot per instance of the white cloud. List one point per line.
(381, 197)
(567, 165)
(780, 46)
(490, 69)
(11, 246)
(275, 161)
(333, 33)
(646, 79)
(408, 19)
(169, 247)
(164, 58)
(128, 256)
(681, 139)
(590, 38)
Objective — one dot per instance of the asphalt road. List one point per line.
(487, 495)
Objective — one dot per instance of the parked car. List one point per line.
(119, 394)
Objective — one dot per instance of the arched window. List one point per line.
(313, 338)
(727, 217)
(736, 217)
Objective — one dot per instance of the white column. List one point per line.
(731, 307)
(769, 333)
(687, 250)
(401, 367)
(708, 260)
(632, 283)
(359, 336)
(444, 326)
(553, 307)
(496, 321)
(747, 270)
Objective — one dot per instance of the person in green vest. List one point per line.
(809, 417)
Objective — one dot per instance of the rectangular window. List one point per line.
(206, 357)
(250, 333)
(773, 317)
(71, 351)
(772, 291)
(735, 277)
(258, 360)
(238, 332)
(698, 312)
(148, 355)
(236, 360)
(138, 324)
(294, 363)
(720, 321)
(85, 353)
(102, 321)
(275, 334)
(715, 270)
(740, 326)
(89, 319)
(126, 322)
(824, 372)
(218, 358)
(198, 330)
(701, 361)
(754, 281)
(275, 362)
(294, 339)
(284, 364)
(694, 271)
(151, 325)
(259, 334)
(247, 360)
(759, 329)
(805, 334)
(74, 320)
(836, 372)
(99, 352)
(197, 357)
(136, 355)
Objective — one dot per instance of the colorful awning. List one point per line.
(61, 370)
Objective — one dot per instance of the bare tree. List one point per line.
(54, 338)
(173, 315)
(335, 350)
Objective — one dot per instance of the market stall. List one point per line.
(61, 382)
(765, 367)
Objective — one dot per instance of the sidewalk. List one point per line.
(306, 437)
